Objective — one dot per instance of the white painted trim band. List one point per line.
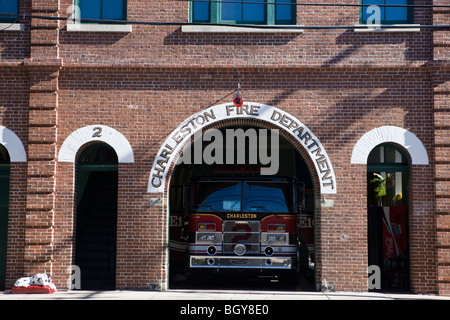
(382, 28)
(238, 29)
(4, 26)
(108, 135)
(13, 145)
(78, 27)
(386, 134)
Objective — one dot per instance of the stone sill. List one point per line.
(238, 29)
(380, 28)
(12, 26)
(123, 28)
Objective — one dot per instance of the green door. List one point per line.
(4, 199)
(96, 217)
(388, 232)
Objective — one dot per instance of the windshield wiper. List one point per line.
(208, 206)
(259, 207)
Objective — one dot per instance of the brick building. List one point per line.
(88, 109)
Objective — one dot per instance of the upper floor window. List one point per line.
(102, 9)
(10, 7)
(386, 15)
(272, 12)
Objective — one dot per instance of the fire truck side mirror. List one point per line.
(185, 196)
(300, 196)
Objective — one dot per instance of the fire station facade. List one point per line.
(95, 116)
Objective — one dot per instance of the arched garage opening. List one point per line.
(254, 115)
(220, 203)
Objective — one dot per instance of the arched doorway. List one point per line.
(250, 114)
(4, 206)
(388, 225)
(96, 216)
(220, 173)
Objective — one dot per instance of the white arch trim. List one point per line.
(13, 144)
(102, 133)
(174, 143)
(391, 134)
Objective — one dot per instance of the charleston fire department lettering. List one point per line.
(311, 144)
(191, 129)
(175, 139)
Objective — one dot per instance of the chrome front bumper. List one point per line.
(241, 262)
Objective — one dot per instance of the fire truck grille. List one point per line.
(246, 233)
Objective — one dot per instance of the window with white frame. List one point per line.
(102, 9)
(386, 12)
(9, 7)
(263, 12)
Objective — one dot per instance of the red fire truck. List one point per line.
(244, 223)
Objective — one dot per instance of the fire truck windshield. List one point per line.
(264, 196)
(245, 196)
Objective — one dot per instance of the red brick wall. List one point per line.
(339, 83)
(339, 117)
(16, 223)
(441, 87)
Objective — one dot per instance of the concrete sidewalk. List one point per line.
(187, 294)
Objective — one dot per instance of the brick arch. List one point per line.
(400, 136)
(13, 145)
(298, 144)
(271, 117)
(108, 135)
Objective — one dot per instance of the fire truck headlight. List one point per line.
(206, 226)
(276, 238)
(206, 237)
(276, 227)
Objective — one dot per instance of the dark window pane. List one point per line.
(113, 9)
(392, 155)
(283, 12)
(376, 155)
(232, 11)
(200, 11)
(8, 6)
(253, 12)
(386, 154)
(90, 9)
(396, 13)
